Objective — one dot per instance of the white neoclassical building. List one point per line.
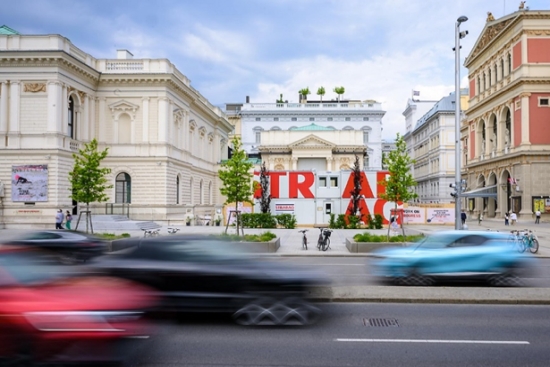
(164, 138)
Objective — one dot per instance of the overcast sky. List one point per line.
(376, 49)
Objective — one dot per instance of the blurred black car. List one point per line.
(201, 274)
(69, 246)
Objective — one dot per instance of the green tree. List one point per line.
(304, 92)
(280, 100)
(236, 176)
(339, 91)
(88, 182)
(398, 185)
(321, 93)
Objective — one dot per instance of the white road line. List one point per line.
(442, 341)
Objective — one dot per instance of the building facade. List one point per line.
(504, 135)
(165, 139)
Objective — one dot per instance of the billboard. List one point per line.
(29, 183)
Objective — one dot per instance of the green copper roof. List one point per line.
(312, 127)
(7, 30)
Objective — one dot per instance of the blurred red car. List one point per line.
(47, 317)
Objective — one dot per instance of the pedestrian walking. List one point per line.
(537, 217)
(506, 219)
(513, 218)
(463, 217)
(479, 218)
(59, 219)
(68, 219)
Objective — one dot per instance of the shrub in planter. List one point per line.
(258, 220)
(287, 221)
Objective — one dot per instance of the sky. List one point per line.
(230, 49)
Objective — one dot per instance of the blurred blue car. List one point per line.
(454, 255)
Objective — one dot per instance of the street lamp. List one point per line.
(458, 185)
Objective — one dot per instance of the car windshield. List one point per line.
(436, 242)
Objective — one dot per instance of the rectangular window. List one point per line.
(312, 119)
(348, 118)
(334, 181)
(365, 137)
(329, 118)
(322, 182)
(543, 102)
(275, 119)
(258, 137)
(365, 119)
(293, 119)
(258, 119)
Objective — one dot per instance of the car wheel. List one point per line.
(508, 278)
(414, 278)
(272, 311)
(68, 259)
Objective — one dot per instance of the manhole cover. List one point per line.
(381, 322)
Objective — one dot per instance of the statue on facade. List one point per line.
(521, 5)
(506, 137)
(494, 142)
(490, 16)
(483, 147)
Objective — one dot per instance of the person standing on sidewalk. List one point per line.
(513, 218)
(463, 217)
(59, 219)
(537, 217)
(506, 219)
(479, 218)
(68, 219)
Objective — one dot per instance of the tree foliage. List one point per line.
(398, 185)
(339, 91)
(321, 93)
(236, 176)
(88, 182)
(356, 191)
(304, 92)
(265, 193)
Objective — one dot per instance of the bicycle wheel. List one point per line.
(304, 242)
(523, 244)
(534, 247)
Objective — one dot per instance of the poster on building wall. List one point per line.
(29, 183)
(542, 204)
(440, 215)
(229, 208)
(414, 215)
(284, 208)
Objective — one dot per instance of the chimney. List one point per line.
(247, 99)
(124, 55)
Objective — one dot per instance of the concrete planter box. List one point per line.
(259, 247)
(250, 247)
(366, 247)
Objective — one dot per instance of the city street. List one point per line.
(363, 335)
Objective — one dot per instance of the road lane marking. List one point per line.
(442, 341)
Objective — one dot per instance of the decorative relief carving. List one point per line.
(538, 32)
(35, 87)
(490, 33)
(524, 94)
(279, 167)
(210, 137)
(279, 160)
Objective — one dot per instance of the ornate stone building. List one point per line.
(164, 138)
(505, 138)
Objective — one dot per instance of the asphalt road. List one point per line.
(363, 335)
(354, 271)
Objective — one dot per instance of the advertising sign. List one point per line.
(284, 208)
(440, 215)
(414, 215)
(29, 183)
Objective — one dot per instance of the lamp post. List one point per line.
(458, 185)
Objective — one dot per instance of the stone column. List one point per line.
(64, 108)
(14, 109)
(3, 107)
(162, 118)
(102, 126)
(525, 118)
(145, 119)
(54, 107)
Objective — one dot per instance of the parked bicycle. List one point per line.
(530, 242)
(323, 243)
(523, 240)
(304, 239)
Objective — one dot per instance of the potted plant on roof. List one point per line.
(321, 93)
(304, 92)
(339, 91)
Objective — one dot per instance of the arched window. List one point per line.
(501, 68)
(123, 188)
(71, 118)
(509, 64)
(508, 129)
